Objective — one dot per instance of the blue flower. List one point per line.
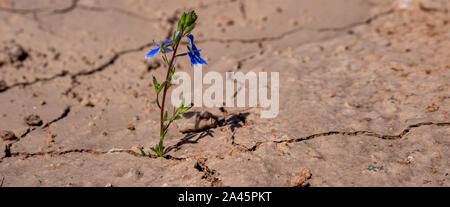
(194, 53)
(165, 44)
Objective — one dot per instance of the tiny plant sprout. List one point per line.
(169, 48)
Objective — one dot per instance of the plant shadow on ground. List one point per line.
(234, 121)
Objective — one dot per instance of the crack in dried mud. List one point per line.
(62, 116)
(8, 146)
(54, 153)
(354, 133)
(293, 31)
(209, 174)
(72, 6)
(63, 73)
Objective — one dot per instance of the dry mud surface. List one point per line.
(364, 93)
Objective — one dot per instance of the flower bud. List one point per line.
(189, 29)
(191, 18)
(181, 22)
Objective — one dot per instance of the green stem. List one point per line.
(165, 90)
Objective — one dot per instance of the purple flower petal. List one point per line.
(193, 59)
(191, 42)
(153, 52)
(166, 43)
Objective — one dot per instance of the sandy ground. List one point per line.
(364, 93)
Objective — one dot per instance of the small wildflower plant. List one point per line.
(186, 25)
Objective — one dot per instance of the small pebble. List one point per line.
(374, 168)
(367, 119)
(432, 107)
(131, 127)
(87, 103)
(33, 120)
(7, 135)
(301, 181)
(306, 173)
(16, 53)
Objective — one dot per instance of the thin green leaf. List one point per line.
(182, 54)
(155, 85)
(160, 87)
(189, 29)
(178, 117)
(143, 153)
(165, 116)
(165, 60)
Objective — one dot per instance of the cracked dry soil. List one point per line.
(364, 93)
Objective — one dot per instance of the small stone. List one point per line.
(306, 173)
(366, 119)
(7, 135)
(16, 53)
(134, 94)
(33, 120)
(432, 107)
(3, 85)
(87, 103)
(131, 127)
(43, 102)
(197, 121)
(229, 22)
(56, 56)
(109, 185)
(374, 168)
(301, 181)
